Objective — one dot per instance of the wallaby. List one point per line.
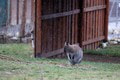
(74, 53)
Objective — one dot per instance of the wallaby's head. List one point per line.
(68, 48)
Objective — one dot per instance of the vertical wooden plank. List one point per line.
(95, 34)
(86, 27)
(106, 19)
(10, 11)
(103, 21)
(32, 11)
(49, 27)
(99, 34)
(94, 23)
(38, 29)
(46, 50)
(53, 34)
(76, 4)
(73, 21)
(88, 22)
(64, 22)
(67, 27)
(14, 12)
(100, 3)
(99, 20)
(81, 21)
(70, 21)
(59, 25)
(33, 15)
(90, 25)
(17, 11)
(28, 12)
(62, 25)
(22, 29)
(44, 10)
(85, 24)
(43, 36)
(92, 4)
(94, 28)
(20, 11)
(86, 31)
(53, 27)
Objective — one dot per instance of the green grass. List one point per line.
(50, 69)
(108, 51)
(21, 51)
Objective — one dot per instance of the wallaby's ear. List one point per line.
(66, 44)
(77, 44)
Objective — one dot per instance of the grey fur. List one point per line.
(74, 53)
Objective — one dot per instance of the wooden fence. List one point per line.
(95, 23)
(74, 21)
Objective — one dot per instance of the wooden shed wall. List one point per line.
(16, 11)
(3, 12)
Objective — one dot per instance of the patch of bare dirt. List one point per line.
(4, 57)
(87, 57)
(101, 58)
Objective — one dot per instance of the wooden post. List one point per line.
(106, 19)
(22, 30)
(37, 28)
